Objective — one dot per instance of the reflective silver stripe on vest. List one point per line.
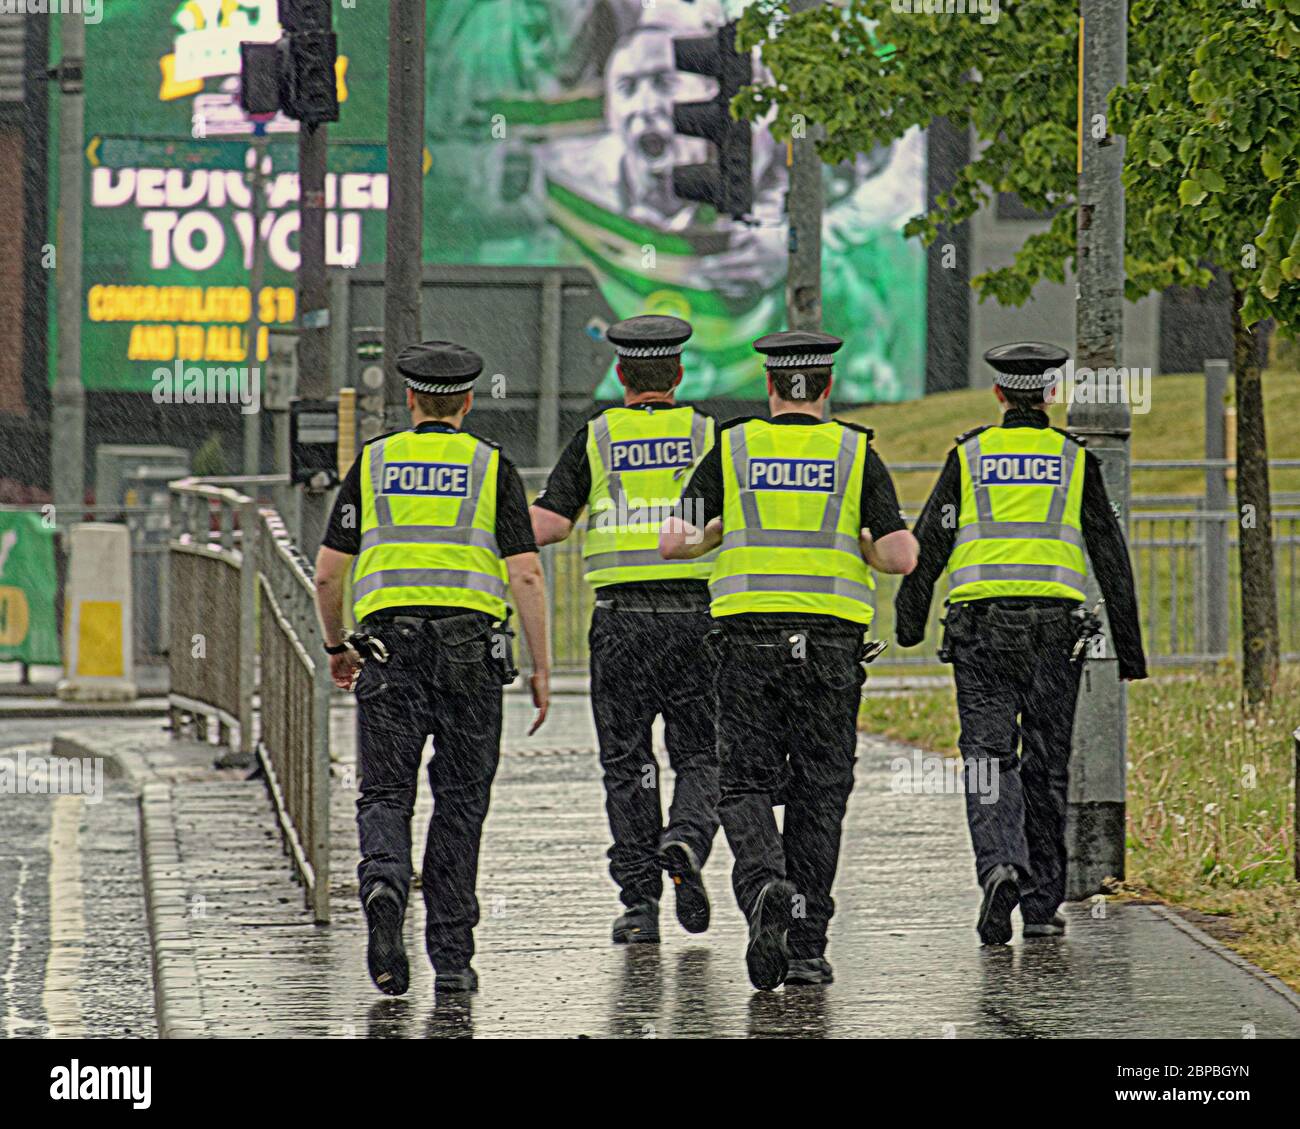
(739, 451)
(428, 578)
(792, 583)
(699, 433)
(983, 503)
(477, 473)
(600, 430)
(849, 440)
(1069, 453)
(790, 539)
(627, 558)
(1026, 573)
(429, 535)
(1019, 531)
(383, 511)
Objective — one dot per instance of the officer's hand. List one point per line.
(344, 669)
(540, 684)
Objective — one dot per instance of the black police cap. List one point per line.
(1027, 365)
(649, 335)
(439, 367)
(798, 348)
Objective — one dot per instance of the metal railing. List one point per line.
(245, 652)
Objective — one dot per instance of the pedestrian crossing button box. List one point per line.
(313, 442)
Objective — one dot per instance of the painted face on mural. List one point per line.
(642, 83)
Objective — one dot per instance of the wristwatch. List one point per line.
(335, 650)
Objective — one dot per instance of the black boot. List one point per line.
(386, 954)
(638, 924)
(461, 980)
(809, 970)
(1053, 928)
(692, 899)
(767, 957)
(1001, 895)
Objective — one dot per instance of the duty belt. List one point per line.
(626, 604)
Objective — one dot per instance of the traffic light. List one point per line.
(308, 53)
(259, 78)
(726, 183)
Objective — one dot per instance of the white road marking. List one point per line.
(13, 1022)
(60, 999)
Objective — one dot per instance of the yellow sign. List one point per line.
(14, 616)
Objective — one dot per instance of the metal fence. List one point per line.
(245, 652)
(1184, 556)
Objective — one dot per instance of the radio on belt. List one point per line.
(313, 442)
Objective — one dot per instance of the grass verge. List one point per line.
(1211, 802)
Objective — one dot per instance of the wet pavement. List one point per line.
(74, 947)
(903, 944)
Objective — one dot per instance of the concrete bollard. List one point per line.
(98, 653)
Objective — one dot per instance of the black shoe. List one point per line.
(767, 957)
(809, 970)
(386, 955)
(638, 925)
(462, 980)
(1001, 893)
(1053, 928)
(692, 899)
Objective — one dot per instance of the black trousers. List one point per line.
(787, 734)
(1016, 694)
(442, 680)
(645, 664)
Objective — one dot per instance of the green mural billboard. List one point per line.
(549, 141)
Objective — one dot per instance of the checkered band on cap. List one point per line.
(801, 360)
(1028, 381)
(648, 350)
(438, 389)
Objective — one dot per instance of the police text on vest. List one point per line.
(1012, 470)
(792, 474)
(434, 480)
(650, 454)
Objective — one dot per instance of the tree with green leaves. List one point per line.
(1211, 118)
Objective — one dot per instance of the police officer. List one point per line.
(433, 525)
(800, 509)
(627, 466)
(1014, 509)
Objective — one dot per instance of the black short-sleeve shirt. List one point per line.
(514, 530)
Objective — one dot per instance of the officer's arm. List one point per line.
(936, 531)
(679, 540)
(561, 500)
(331, 574)
(1108, 551)
(895, 552)
(528, 587)
(549, 527)
(695, 526)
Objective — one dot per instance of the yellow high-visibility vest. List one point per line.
(641, 459)
(791, 521)
(1020, 528)
(428, 525)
